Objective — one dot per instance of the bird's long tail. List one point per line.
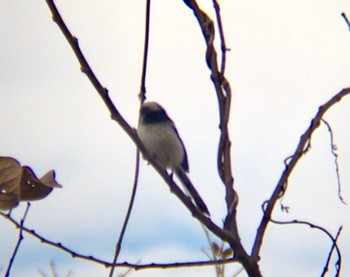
(192, 191)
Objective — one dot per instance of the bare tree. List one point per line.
(229, 231)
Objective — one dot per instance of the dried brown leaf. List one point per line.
(227, 253)
(49, 179)
(215, 248)
(8, 201)
(10, 174)
(31, 188)
(19, 183)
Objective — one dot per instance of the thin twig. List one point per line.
(335, 154)
(346, 19)
(333, 239)
(280, 189)
(126, 220)
(338, 263)
(90, 258)
(20, 238)
(186, 264)
(58, 245)
(224, 94)
(224, 49)
(142, 97)
(214, 257)
(142, 94)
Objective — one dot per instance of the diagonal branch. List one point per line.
(290, 165)
(131, 132)
(338, 263)
(346, 19)
(20, 238)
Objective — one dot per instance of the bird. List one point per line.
(162, 141)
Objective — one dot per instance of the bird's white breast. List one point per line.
(162, 142)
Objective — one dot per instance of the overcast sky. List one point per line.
(287, 58)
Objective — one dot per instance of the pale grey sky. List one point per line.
(286, 59)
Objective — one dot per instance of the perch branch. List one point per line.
(131, 132)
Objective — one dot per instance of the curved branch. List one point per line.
(333, 239)
(336, 163)
(338, 263)
(291, 162)
(223, 92)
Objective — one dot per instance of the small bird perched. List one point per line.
(162, 141)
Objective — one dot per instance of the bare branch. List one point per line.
(54, 244)
(223, 92)
(280, 189)
(142, 94)
(186, 264)
(142, 97)
(338, 263)
(333, 239)
(126, 220)
(20, 238)
(334, 153)
(90, 258)
(224, 49)
(346, 19)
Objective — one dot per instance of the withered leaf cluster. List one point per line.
(19, 183)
